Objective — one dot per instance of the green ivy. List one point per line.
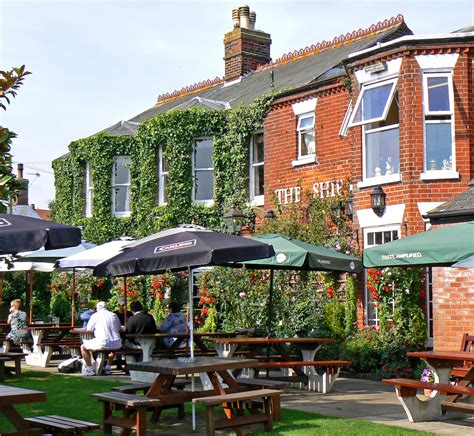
(231, 131)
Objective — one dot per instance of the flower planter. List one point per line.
(429, 392)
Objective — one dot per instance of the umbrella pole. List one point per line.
(31, 294)
(125, 301)
(191, 336)
(269, 325)
(73, 295)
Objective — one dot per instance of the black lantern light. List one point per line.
(378, 200)
(349, 206)
(234, 220)
(337, 209)
(270, 215)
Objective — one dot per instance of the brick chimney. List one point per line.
(22, 192)
(244, 47)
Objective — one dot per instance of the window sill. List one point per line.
(439, 174)
(304, 160)
(207, 203)
(382, 180)
(121, 214)
(258, 200)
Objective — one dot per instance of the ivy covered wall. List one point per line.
(231, 131)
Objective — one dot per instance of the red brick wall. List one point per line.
(453, 306)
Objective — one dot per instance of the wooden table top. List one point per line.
(82, 331)
(13, 395)
(264, 341)
(182, 335)
(183, 366)
(49, 327)
(460, 356)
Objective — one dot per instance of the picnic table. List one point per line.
(458, 398)
(9, 398)
(45, 339)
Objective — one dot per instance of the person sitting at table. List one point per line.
(18, 322)
(106, 328)
(141, 322)
(175, 322)
(86, 314)
(121, 311)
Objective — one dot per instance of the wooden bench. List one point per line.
(239, 401)
(102, 355)
(143, 387)
(10, 357)
(58, 425)
(429, 409)
(316, 382)
(467, 345)
(134, 410)
(264, 383)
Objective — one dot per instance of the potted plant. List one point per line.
(428, 376)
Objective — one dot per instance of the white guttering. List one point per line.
(412, 38)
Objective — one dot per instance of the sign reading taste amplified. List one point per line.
(325, 189)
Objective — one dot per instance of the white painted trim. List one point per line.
(413, 38)
(393, 69)
(309, 159)
(258, 200)
(89, 190)
(304, 106)
(393, 215)
(161, 174)
(437, 61)
(449, 76)
(345, 122)
(255, 200)
(439, 175)
(425, 206)
(382, 180)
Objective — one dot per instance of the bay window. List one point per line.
(203, 170)
(121, 186)
(439, 156)
(376, 110)
(256, 176)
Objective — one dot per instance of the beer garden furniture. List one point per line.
(458, 398)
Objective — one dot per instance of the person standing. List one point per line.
(18, 322)
(106, 328)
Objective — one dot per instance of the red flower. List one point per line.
(422, 294)
(330, 292)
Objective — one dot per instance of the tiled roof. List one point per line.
(290, 72)
(458, 209)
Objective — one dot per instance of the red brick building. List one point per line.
(405, 124)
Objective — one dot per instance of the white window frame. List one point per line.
(255, 200)
(161, 177)
(428, 173)
(367, 302)
(301, 132)
(369, 86)
(127, 160)
(345, 122)
(89, 190)
(210, 201)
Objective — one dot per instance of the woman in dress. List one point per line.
(18, 323)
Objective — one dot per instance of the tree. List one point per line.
(10, 82)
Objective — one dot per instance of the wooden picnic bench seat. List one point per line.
(467, 345)
(101, 356)
(58, 425)
(264, 383)
(317, 382)
(133, 388)
(10, 357)
(134, 410)
(243, 400)
(428, 410)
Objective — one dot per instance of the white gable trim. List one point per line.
(304, 107)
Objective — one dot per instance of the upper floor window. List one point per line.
(162, 176)
(257, 186)
(376, 110)
(438, 125)
(89, 190)
(121, 186)
(305, 131)
(203, 169)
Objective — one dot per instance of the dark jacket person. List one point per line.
(141, 322)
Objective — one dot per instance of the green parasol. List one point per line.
(439, 247)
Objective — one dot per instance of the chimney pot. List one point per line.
(244, 12)
(252, 19)
(235, 18)
(20, 170)
(32, 205)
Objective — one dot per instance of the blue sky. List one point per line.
(96, 62)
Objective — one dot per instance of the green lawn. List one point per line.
(70, 396)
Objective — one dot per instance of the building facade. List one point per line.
(378, 109)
